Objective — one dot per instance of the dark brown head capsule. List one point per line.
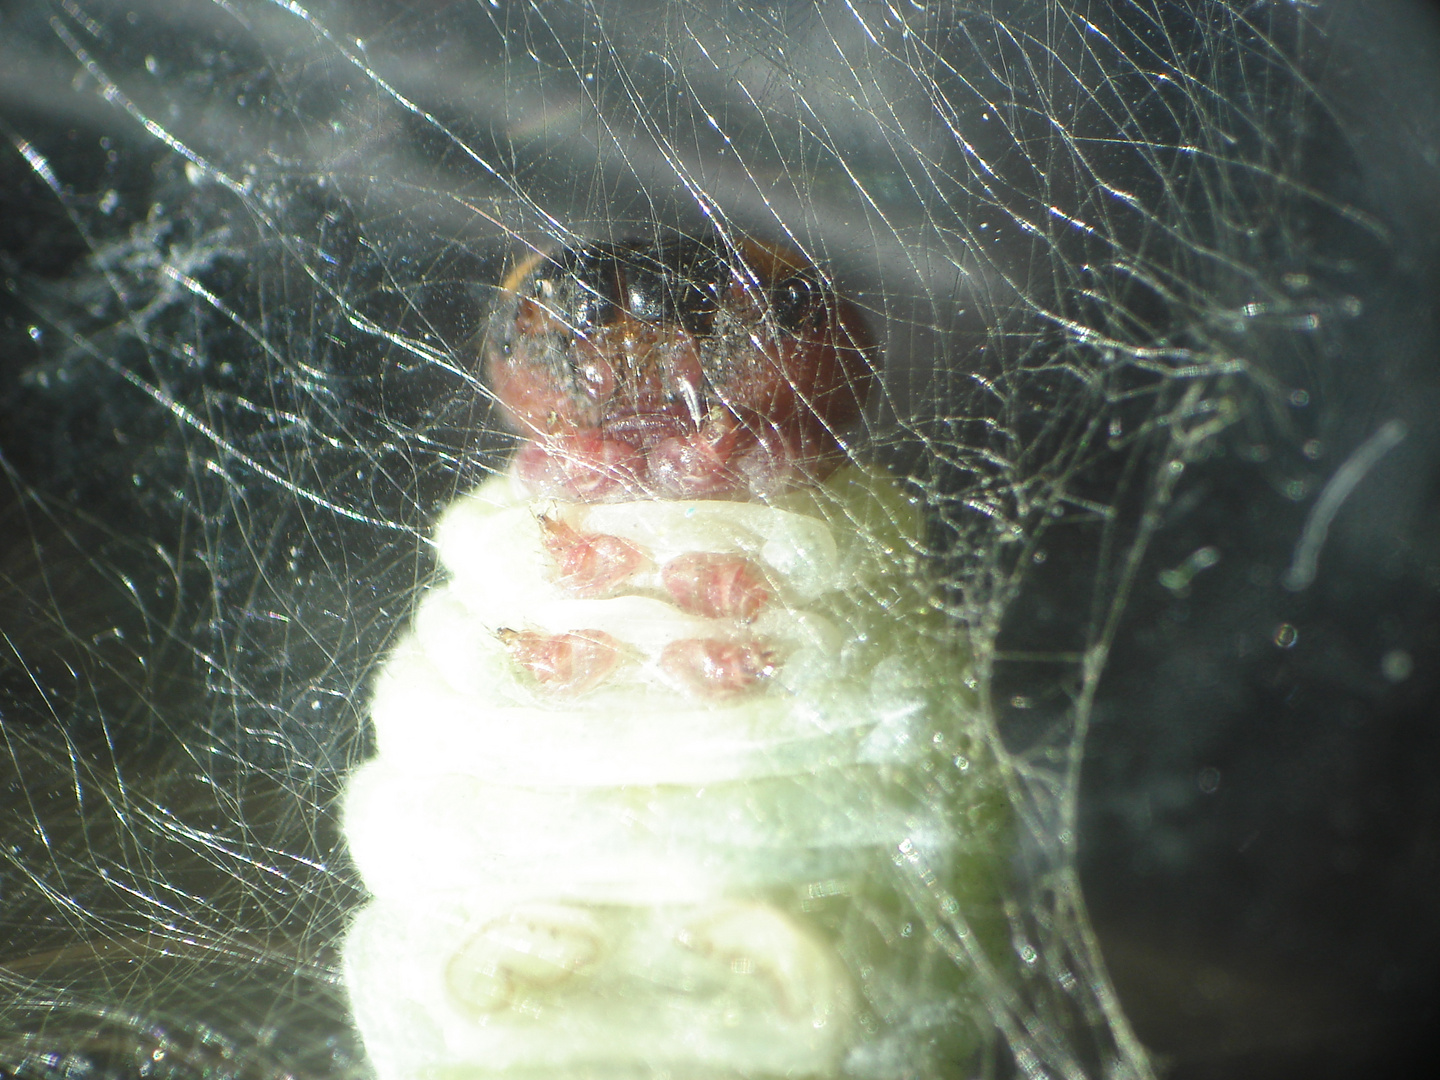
(676, 368)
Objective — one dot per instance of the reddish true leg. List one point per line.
(711, 668)
(590, 564)
(715, 586)
(565, 663)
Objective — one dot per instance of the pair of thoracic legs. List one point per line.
(720, 459)
(583, 659)
(709, 584)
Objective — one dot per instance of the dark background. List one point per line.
(205, 544)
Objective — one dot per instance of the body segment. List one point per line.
(647, 757)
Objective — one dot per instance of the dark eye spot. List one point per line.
(584, 287)
(792, 301)
(647, 294)
(677, 281)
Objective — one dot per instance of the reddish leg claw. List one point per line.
(715, 586)
(589, 564)
(716, 669)
(564, 663)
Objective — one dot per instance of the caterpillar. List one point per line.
(649, 754)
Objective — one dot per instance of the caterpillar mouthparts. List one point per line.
(646, 758)
(676, 369)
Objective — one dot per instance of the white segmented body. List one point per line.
(639, 881)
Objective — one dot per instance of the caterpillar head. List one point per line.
(679, 368)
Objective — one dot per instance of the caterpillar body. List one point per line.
(646, 759)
